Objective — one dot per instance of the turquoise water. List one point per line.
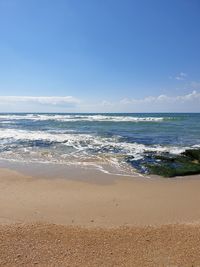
(123, 141)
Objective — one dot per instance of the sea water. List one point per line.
(122, 141)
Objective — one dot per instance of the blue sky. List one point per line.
(101, 55)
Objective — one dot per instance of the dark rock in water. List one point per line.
(168, 165)
(194, 154)
(188, 163)
(168, 170)
(140, 164)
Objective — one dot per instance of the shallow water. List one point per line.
(122, 141)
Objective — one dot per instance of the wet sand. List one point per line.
(117, 202)
(78, 222)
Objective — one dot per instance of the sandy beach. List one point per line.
(103, 221)
(56, 245)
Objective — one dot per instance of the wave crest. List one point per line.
(74, 118)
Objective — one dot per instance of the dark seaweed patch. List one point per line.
(167, 165)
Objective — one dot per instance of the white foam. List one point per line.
(82, 142)
(196, 146)
(6, 122)
(40, 135)
(73, 118)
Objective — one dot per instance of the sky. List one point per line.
(99, 56)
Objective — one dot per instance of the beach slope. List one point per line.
(64, 222)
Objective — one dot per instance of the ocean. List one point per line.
(117, 143)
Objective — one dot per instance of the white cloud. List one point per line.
(194, 95)
(162, 103)
(189, 102)
(41, 100)
(181, 76)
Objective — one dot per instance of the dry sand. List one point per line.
(40, 221)
(53, 245)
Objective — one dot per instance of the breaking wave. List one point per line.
(68, 118)
(83, 142)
